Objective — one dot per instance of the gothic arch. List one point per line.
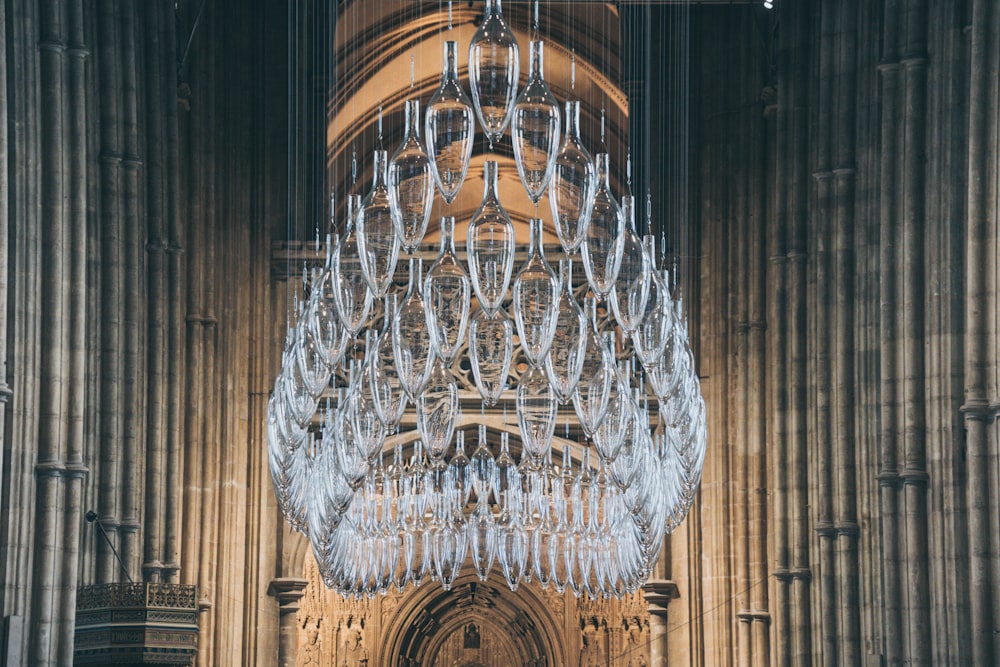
(428, 615)
(373, 47)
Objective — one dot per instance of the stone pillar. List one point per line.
(288, 591)
(658, 594)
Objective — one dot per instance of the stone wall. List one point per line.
(843, 288)
(847, 313)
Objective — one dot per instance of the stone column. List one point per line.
(979, 409)
(288, 591)
(658, 594)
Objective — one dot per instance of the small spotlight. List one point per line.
(768, 4)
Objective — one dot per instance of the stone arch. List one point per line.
(426, 616)
(373, 70)
(296, 547)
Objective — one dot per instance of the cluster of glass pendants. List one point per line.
(390, 501)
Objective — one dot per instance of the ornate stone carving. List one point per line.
(311, 643)
(354, 652)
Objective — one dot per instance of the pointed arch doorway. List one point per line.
(476, 624)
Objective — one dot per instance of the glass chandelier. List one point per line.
(384, 504)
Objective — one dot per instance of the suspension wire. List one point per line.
(333, 110)
(316, 152)
(412, 20)
(627, 49)
(292, 14)
(647, 138)
(354, 109)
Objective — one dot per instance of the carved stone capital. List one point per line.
(658, 594)
(288, 591)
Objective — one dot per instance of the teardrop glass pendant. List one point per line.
(437, 410)
(592, 391)
(449, 546)
(369, 431)
(564, 362)
(449, 128)
(535, 128)
(353, 298)
(377, 239)
(610, 432)
(490, 245)
(386, 384)
(602, 245)
(494, 66)
(308, 355)
(447, 293)
(411, 183)
(328, 332)
(537, 408)
(411, 342)
(482, 539)
(352, 461)
(536, 300)
(461, 469)
(574, 181)
(628, 298)
(491, 348)
(651, 337)
(484, 469)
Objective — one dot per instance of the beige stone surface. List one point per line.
(839, 259)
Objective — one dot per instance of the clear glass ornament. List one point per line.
(482, 539)
(491, 349)
(484, 469)
(369, 431)
(534, 129)
(602, 245)
(536, 300)
(462, 469)
(561, 555)
(592, 391)
(329, 333)
(564, 361)
(512, 547)
(540, 538)
(309, 355)
(449, 546)
(411, 341)
(507, 479)
(437, 410)
(378, 243)
(609, 436)
(490, 245)
(352, 295)
(537, 408)
(449, 128)
(386, 385)
(651, 336)
(447, 293)
(299, 399)
(411, 183)
(286, 424)
(352, 462)
(574, 182)
(494, 67)
(631, 291)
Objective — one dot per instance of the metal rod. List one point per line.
(93, 518)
